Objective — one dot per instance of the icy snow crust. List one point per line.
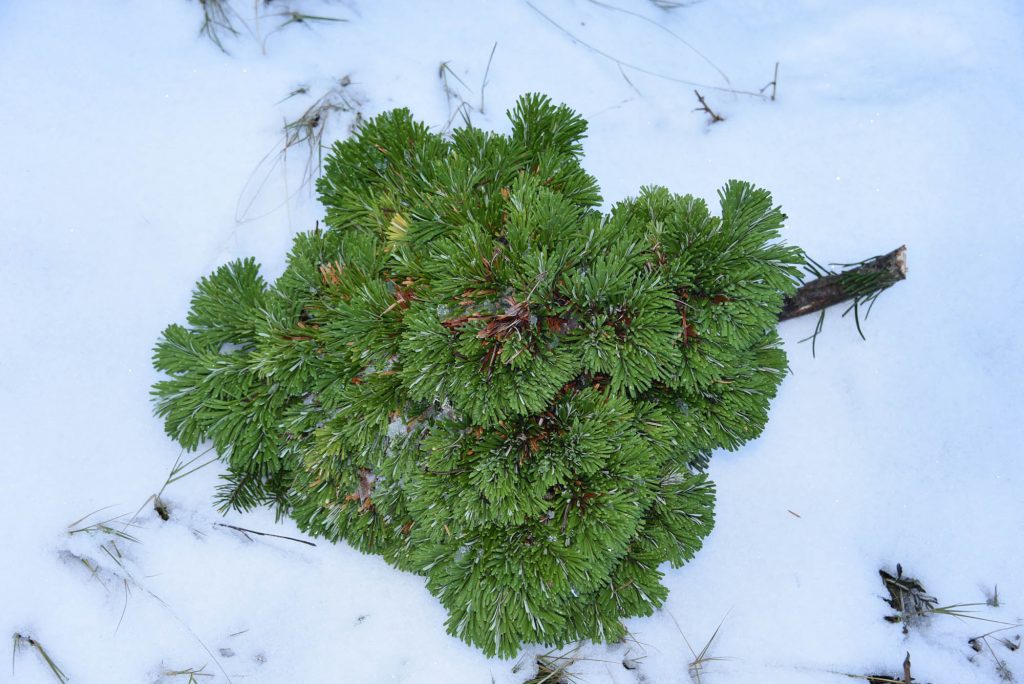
(129, 149)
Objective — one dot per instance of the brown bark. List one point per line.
(834, 288)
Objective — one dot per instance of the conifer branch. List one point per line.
(862, 282)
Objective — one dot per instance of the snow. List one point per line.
(130, 146)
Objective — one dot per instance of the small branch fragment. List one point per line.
(714, 116)
(862, 283)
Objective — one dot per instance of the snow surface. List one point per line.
(131, 146)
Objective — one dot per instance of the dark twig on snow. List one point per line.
(712, 114)
(246, 531)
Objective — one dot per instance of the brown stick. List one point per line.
(833, 289)
(715, 116)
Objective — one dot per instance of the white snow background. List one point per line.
(130, 147)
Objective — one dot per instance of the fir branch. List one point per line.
(242, 490)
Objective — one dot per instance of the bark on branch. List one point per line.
(863, 281)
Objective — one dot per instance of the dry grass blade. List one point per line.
(23, 640)
(107, 575)
(630, 661)
(121, 573)
(696, 668)
(1002, 669)
(454, 88)
(689, 46)
(453, 94)
(309, 127)
(103, 526)
(219, 18)
(554, 669)
(192, 673)
(221, 21)
(484, 82)
(636, 67)
(308, 130)
(982, 643)
(294, 17)
(674, 4)
(180, 470)
(958, 610)
(291, 17)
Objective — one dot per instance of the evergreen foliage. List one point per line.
(474, 373)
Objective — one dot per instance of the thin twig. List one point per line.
(715, 116)
(264, 534)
